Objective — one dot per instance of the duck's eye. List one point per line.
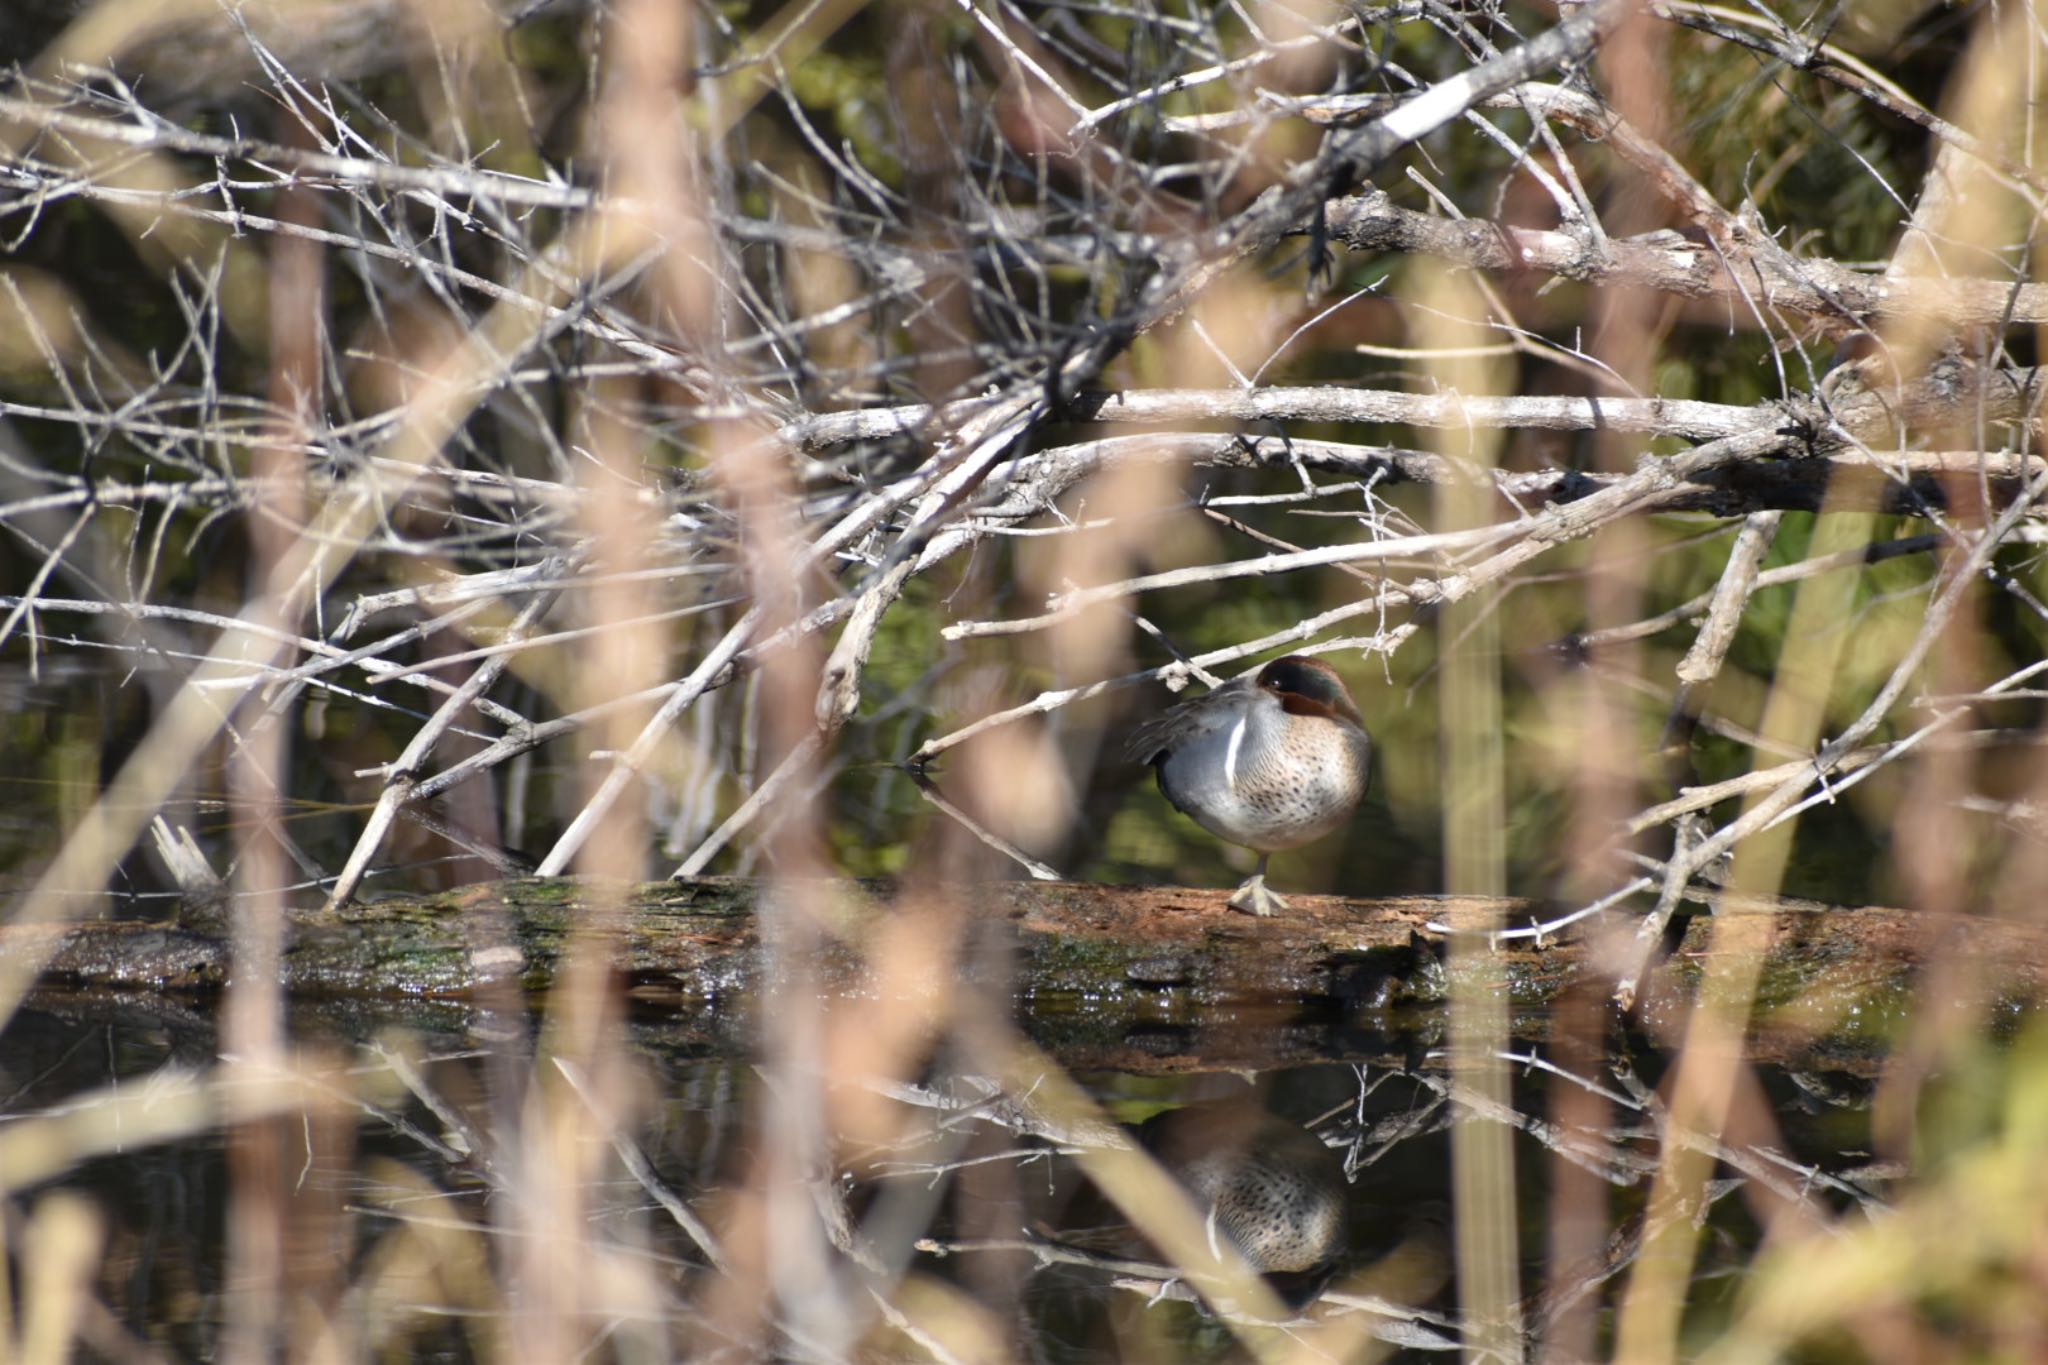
(1291, 675)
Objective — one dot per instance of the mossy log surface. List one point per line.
(1151, 978)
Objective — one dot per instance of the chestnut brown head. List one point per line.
(1309, 687)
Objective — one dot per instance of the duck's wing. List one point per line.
(1197, 716)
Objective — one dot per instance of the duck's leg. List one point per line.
(1253, 897)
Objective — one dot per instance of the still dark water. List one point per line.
(431, 1097)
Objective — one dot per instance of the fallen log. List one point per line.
(1131, 978)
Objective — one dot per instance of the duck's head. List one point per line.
(1309, 687)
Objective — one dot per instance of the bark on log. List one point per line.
(1134, 978)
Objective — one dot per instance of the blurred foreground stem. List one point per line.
(1714, 1038)
(1474, 821)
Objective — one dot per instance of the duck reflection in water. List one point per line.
(1267, 1184)
(1264, 1182)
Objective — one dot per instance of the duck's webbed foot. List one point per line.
(1253, 898)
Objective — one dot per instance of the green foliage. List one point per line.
(848, 89)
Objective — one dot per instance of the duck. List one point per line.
(1276, 758)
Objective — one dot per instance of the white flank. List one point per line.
(1230, 753)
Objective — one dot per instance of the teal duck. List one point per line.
(1275, 758)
